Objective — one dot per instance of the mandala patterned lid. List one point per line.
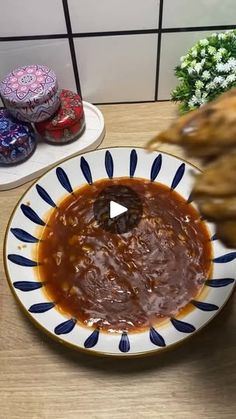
(69, 113)
(28, 85)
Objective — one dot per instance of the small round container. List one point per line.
(67, 124)
(31, 93)
(17, 139)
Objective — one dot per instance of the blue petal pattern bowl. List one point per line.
(30, 216)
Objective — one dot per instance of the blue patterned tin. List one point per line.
(17, 139)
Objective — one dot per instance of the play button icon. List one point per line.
(117, 209)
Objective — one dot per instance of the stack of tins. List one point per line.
(31, 95)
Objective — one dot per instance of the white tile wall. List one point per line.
(31, 17)
(187, 13)
(54, 53)
(111, 68)
(113, 15)
(173, 46)
(117, 68)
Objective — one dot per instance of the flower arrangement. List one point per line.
(208, 69)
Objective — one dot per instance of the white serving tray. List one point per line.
(47, 155)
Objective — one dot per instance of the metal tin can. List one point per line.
(17, 139)
(67, 124)
(31, 93)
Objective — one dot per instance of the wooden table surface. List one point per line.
(40, 379)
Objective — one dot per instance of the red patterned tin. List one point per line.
(67, 124)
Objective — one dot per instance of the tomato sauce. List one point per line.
(124, 281)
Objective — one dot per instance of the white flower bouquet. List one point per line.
(208, 69)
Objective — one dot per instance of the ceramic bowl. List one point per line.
(30, 215)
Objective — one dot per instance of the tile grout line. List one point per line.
(114, 33)
(33, 37)
(158, 58)
(125, 102)
(72, 46)
(199, 28)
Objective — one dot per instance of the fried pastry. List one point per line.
(209, 133)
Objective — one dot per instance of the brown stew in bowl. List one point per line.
(124, 281)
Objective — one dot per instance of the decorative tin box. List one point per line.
(17, 139)
(31, 93)
(67, 124)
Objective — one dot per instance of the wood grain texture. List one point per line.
(40, 379)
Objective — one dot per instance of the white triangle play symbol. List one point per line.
(116, 209)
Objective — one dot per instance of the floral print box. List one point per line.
(31, 93)
(17, 139)
(67, 124)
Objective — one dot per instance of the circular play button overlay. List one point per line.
(117, 209)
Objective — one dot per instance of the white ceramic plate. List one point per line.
(47, 155)
(21, 239)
